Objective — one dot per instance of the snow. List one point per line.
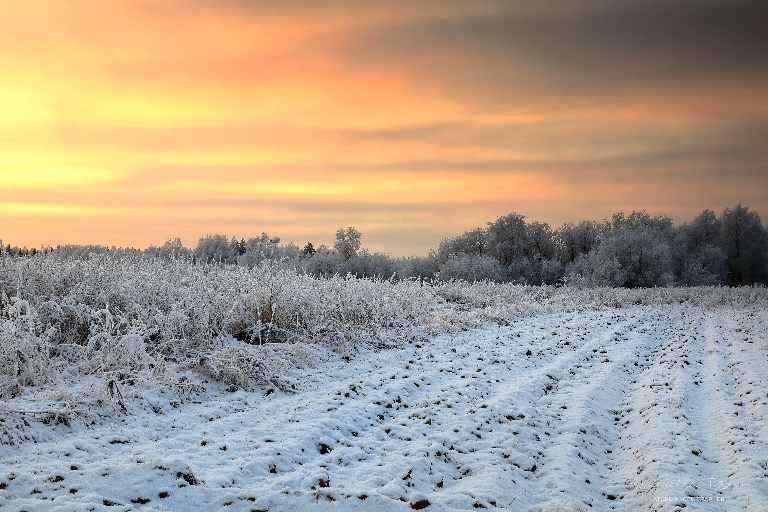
(640, 407)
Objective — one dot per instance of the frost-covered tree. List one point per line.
(325, 263)
(699, 248)
(260, 248)
(539, 265)
(215, 249)
(540, 241)
(507, 238)
(573, 240)
(418, 267)
(347, 242)
(472, 268)
(644, 258)
(707, 266)
(74, 252)
(745, 243)
(367, 264)
(597, 270)
(174, 249)
(635, 252)
(704, 230)
(290, 251)
(472, 243)
(641, 220)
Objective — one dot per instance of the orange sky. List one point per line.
(129, 122)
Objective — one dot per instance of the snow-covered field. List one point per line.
(633, 407)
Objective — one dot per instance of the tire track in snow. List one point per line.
(686, 421)
(593, 422)
(562, 407)
(734, 432)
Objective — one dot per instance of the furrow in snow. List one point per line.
(615, 409)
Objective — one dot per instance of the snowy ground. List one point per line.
(634, 408)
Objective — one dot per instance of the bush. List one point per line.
(24, 357)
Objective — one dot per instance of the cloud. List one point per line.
(598, 47)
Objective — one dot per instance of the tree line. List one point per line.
(633, 251)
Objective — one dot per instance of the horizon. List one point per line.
(130, 123)
(329, 243)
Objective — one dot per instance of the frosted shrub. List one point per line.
(132, 322)
(124, 315)
(107, 353)
(240, 367)
(24, 359)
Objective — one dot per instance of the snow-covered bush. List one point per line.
(131, 323)
(24, 358)
(126, 314)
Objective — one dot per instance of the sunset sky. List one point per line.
(129, 122)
